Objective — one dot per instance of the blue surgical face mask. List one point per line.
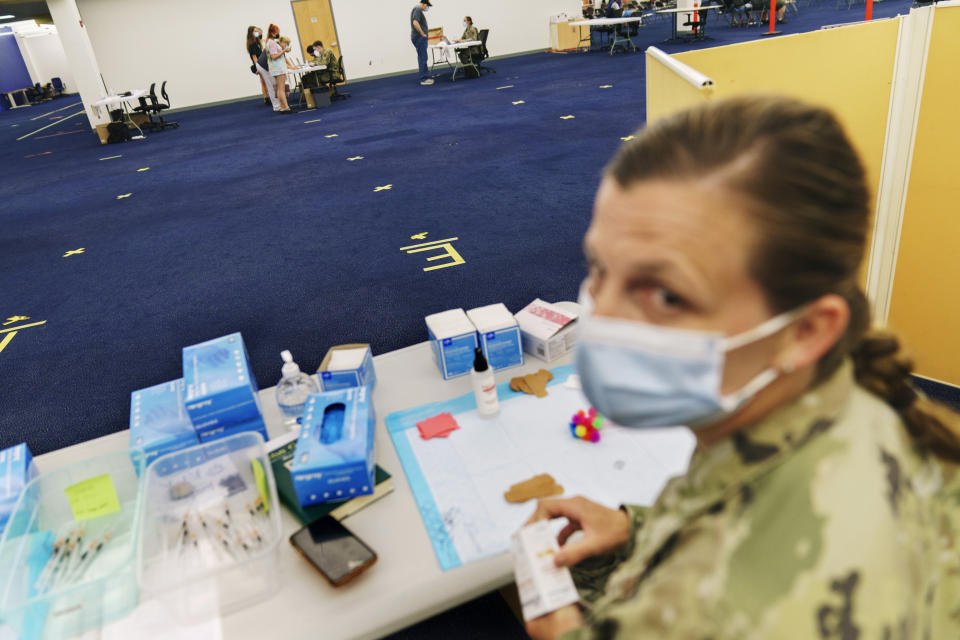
(644, 375)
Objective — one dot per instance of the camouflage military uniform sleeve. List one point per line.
(329, 59)
(470, 34)
(591, 575)
(822, 522)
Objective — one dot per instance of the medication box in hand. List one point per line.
(548, 331)
(499, 335)
(543, 586)
(159, 422)
(453, 339)
(347, 365)
(334, 455)
(220, 388)
(16, 470)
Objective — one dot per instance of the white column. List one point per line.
(80, 56)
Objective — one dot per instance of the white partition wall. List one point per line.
(44, 56)
(198, 47)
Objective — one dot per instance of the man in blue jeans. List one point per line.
(418, 36)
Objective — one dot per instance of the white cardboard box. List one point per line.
(547, 331)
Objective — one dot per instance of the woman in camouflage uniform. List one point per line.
(821, 499)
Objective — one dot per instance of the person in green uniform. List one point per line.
(470, 32)
(326, 57)
(723, 294)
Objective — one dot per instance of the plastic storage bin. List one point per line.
(89, 509)
(210, 528)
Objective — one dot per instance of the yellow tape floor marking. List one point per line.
(355, 158)
(506, 86)
(309, 121)
(73, 252)
(52, 124)
(332, 135)
(385, 187)
(124, 195)
(54, 111)
(420, 236)
(627, 138)
(519, 102)
(567, 117)
(144, 169)
(6, 340)
(23, 326)
(111, 157)
(606, 86)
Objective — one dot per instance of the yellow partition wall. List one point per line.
(672, 93)
(848, 69)
(925, 305)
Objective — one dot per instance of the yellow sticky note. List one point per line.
(261, 479)
(93, 498)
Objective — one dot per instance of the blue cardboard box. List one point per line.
(453, 339)
(335, 455)
(347, 365)
(159, 422)
(499, 335)
(16, 470)
(220, 388)
(218, 431)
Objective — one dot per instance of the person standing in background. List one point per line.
(276, 57)
(255, 50)
(418, 36)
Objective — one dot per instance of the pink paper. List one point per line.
(439, 426)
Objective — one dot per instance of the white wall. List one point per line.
(199, 46)
(375, 36)
(46, 58)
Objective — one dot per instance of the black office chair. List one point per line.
(484, 53)
(337, 76)
(152, 106)
(57, 86)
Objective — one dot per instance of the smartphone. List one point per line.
(336, 553)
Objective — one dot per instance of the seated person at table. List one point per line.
(470, 32)
(325, 57)
(613, 9)
(823, 498)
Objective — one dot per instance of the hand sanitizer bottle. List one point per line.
(484, 386)
(292, 392)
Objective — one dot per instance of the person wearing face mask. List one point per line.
(723, 294)
(254, 49)
(418, 36)
(470, 32)
(276, 55)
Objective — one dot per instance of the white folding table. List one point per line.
(451, 57)
(606, 22)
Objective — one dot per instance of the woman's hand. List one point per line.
(604, 529)
(553, 624)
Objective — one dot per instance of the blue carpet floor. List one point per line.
(242, 220)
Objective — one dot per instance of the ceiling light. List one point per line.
(7, 17)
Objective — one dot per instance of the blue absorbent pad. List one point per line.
(220, 388)
(159, 422)
(334, 458)
(400, 421)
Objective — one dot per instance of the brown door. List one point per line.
(315, 22)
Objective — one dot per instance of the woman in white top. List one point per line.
(276, 55)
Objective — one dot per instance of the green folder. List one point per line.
(280, 460)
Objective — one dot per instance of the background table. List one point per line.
(406, 584)
(117, 99)
(453, 48)
(606, 22)
(690, 10)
